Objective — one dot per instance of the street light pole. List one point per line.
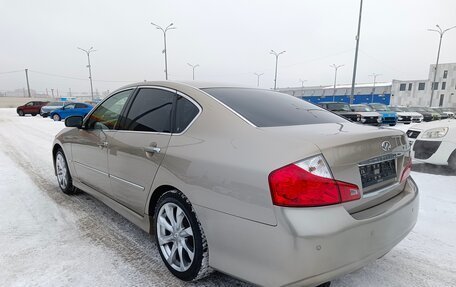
(441, 33)
(302, 85)
(193, 68)
(374, 76)
(169, 27)
(336, 67)
(352, 94)
(90, 67)
(258, 78)
(277, 61)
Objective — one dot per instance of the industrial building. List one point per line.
(396, 93)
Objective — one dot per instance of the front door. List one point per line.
(139, 146)
(90, 151)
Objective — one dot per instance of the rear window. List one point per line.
(266, 108)
(361, 108)
(338, 107)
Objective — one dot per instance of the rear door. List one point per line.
(139, 146)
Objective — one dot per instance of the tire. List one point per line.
(21, 113)
(56, 117)
(452, 161)
(186, 236)
(392, 125)
(33, 115)
(63, 173)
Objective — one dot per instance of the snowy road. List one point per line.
(49, 239)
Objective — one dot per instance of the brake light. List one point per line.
(407, 170)
(309, 183)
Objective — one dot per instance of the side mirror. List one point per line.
(74, 121)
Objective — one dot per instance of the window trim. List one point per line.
(133, 90)
(173, 110)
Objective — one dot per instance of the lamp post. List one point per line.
(441, 33)
(169, 27)
(302, 86)
(258, 78)
(90, 67)
(355, 64)
(277, 61)
(193, 69)
(374, 76)
(336, 67)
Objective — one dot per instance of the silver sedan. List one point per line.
(253, 183)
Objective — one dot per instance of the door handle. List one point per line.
(152, 149)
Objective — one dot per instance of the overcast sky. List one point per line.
(230, 40)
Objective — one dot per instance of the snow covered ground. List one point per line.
(50, 239)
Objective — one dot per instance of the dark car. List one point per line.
(353, 113)
(32, 108)
(428, 115)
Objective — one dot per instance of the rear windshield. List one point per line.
(336, 107)
(361, 108)
(378, 107)
(266, 108)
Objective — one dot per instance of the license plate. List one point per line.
(377, 172)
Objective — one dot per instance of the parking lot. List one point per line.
(50, 239)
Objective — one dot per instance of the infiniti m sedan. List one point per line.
(254, 183)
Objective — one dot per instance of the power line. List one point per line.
(79, 79)
(10, 72)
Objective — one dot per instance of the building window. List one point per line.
(435, 86)
(421, 86)
(402, 87)
(443, 85)
(410, 86)
(445, 74)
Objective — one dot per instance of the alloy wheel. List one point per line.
(175, 237)
(62, 171)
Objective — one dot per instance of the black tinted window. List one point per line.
(151, 111)
(80, 106)
(269, 109)
(186, 111)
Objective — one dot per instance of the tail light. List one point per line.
(407, 170)
(309, 183)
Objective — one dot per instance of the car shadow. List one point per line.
(433, 169)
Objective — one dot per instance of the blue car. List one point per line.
(73, 109)
(389, 116)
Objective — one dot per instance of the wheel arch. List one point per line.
(159, 191)
(55, 148)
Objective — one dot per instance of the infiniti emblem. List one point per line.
(386, 146)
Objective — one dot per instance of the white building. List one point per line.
(418, 92)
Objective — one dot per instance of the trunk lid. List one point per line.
(350, 149)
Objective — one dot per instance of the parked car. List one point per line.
(73, 109)
(427, 115)
(254, 183)
(434, 142)
(406, 117)
(444, 114)
(346, 111)
(368, 115)
(49, 107)
(389, 116)
(450, 111)
(32, 108)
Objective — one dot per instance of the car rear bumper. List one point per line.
(309, 246)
